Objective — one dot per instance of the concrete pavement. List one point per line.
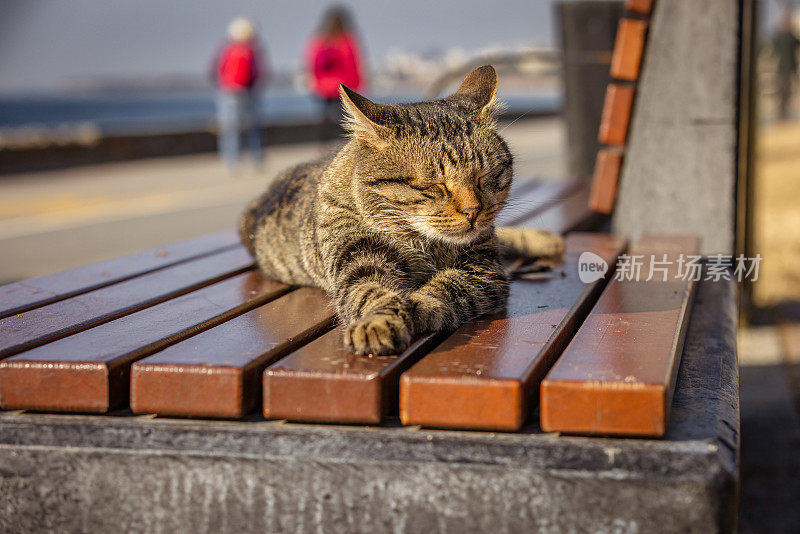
(769, 376)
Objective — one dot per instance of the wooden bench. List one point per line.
(193, 330)
(179, 389)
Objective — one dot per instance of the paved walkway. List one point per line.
(56, 220)
(769, 376)
(777, 215)
(770, 356)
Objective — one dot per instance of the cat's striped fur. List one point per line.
(398, 226)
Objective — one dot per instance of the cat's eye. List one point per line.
(503, 180)
(491, 179)
(434, 191)
(484, 181)
(481, 181)
(431, 192)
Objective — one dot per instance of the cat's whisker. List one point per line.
(525, 114)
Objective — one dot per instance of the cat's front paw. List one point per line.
(379, 334)
(529, 242)
(551, 244)
(532, 242)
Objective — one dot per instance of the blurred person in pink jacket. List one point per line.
(333, 57)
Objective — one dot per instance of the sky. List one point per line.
(50, 46)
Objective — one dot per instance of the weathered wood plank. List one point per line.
(325, 382)
(616, 114)
(628, 49)
(218, 373)
(643, 7)
(23, 296)
(486, 375)
(569, 215)
(618, 373)
(59, 319)
(521, 208)
(603, 193)
(89, 371)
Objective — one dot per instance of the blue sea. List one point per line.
(150, 112)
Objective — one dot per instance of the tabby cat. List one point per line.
(398, 225)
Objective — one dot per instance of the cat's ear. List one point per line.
(364, 118)
(479, 90)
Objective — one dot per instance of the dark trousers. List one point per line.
(785, 90)
(238, 124)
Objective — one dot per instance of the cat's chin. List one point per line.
(463, 237)
(460, 238)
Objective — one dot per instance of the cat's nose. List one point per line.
(471, 212)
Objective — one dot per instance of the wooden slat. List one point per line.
(53, 321)
(521, 199)
(569, 215)
(618, 373)
(643, 7)
(522, 185)
(218, 373)
(22, 296)
(89, 371)
(628, 49)
(325, 382)
(616, 115)
(523, 207)
(486, 375)
(604, 182)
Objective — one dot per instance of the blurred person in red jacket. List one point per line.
(238, 69)
(333, 57)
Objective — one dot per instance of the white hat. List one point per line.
(241, 29)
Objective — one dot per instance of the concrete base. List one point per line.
(679, 172)
(98, 474)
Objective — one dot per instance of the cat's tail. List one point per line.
(528, 242)
(247, 226)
